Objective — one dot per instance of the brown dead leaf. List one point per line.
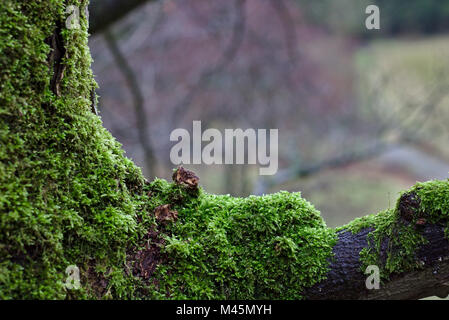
(186, 177)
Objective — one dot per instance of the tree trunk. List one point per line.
(71, 204)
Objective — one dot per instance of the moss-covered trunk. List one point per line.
(69, 197)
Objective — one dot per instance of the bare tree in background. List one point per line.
(246, 63)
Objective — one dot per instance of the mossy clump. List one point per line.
(222, 247)
(434, 197)
(395, 235)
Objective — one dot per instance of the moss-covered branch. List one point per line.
(68, 196)
(409, 244)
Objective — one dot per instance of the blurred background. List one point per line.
(362, 114)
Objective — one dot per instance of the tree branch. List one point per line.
(139, 106)
(102, 13)
(295, 172)
(288, 26)
(238, 35)
(346, 279)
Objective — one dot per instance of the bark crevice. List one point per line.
(55, 59)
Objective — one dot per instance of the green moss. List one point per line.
(242, 248)
(68, 196)
(434, 197)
